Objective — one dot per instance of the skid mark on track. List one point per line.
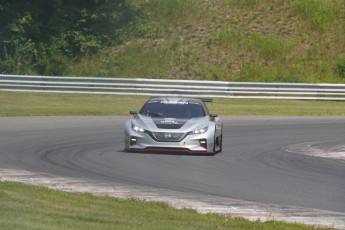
(202, 203)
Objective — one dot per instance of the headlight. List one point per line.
(138, 129)
(199, 131)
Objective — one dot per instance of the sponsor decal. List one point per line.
(167, 135)
(153, 101)
(175, 102)
(169, 121)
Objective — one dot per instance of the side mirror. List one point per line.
(213, 116)
(132, 112)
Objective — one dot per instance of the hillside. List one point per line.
(230, 40)
(237, 40)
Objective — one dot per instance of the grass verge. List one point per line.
(50, 104)
(31, 207)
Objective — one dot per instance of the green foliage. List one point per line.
(136, 59)
(19, 58)
(341, 68)
(44, 36)
(151, 58)
(231, 40)
(172, 11)
(269, 46)
(319, 13)
(252, 71)
(245, 2)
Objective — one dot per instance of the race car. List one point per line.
(174, 125)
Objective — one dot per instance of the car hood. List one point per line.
(158, 124)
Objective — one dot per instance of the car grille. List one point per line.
(167, 137)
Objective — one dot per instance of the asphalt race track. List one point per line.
(253, 165)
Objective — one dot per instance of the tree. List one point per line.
(42, 37)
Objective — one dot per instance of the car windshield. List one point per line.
(173, 109)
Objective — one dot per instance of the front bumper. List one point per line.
(197, 143)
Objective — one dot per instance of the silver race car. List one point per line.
(174, 125)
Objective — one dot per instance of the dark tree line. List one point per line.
(44, 36)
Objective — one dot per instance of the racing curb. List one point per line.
(201, 203)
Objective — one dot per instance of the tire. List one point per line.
(126, 146)
(219, 143)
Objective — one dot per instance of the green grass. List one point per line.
(230, 40)
(269, 46)
(137, 57)
(277, 107)
(32, 207)
(163, 13)
(50, 104)
(319, 14)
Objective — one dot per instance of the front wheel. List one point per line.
(218, 144)
(220, 141)
(126, 145)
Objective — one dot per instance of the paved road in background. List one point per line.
(251, 167)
